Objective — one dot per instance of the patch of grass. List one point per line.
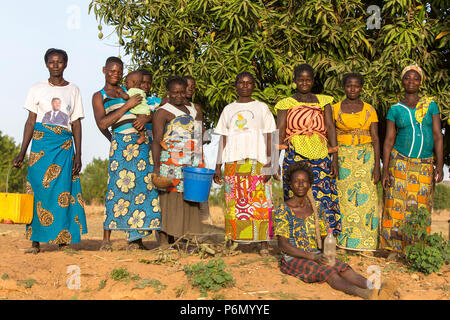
(28, 283)
(102, 285)
(219, 297)
(5, 276)
(70, 251)
(156, 284)
(120, 274)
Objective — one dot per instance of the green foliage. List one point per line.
(120, 274)
(427, 253)
(214, 40)
(28, 283)
(17, 178)
(156, 284)
(209, 277)
(441, 198)
(94, 181)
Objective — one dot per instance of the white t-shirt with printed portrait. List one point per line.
(54, 104)
(246, 126)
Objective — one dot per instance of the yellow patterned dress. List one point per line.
(357, 194)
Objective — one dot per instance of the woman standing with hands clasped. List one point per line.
(246, 126)
(359, 167)
(410, 167)
(54, 126)
(308, 135)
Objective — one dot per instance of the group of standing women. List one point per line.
(335, 144)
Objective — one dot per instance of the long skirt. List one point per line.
(179, 217)
(358, 198)
(310, 271)
(58, 210)
(132, 202)
(411, 189)
(323, 188)
(248, 201)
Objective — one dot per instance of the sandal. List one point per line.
(33, 250)
(136, 246)
(106, 246)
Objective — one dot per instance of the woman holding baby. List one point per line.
(131, 202)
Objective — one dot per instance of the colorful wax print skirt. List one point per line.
(358, 198)
(324, 186)
(310, 271)
(132, 202)
(411, 189)
(248, 200)
(58, 210)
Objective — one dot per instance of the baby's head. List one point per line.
(133, 79)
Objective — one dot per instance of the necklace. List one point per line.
(56, 84)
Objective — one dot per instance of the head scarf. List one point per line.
(416, 68)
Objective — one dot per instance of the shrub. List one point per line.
(427, 253)
(209, 277)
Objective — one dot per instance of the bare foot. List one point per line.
(35, 248)
(106, 246)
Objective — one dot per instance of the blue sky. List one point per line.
(29, 28)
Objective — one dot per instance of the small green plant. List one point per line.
(28, 283)
(427, 253)
(102, 285)
(5, 276)
(156, 284)
(120, 274)
(209, 277)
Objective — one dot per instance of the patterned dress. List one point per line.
(301, 233)
(410, 170)
(132, 203)
(182, 148)
(58, 215)
(306, 142)
(356, 191)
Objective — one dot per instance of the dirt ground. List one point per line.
(49, 275)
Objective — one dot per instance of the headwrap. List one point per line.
(416, 68)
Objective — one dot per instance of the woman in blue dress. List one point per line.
(132, 203)
(54, 166)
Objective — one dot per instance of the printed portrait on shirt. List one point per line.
(57, 116)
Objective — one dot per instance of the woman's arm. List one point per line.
(103, 120)
(389, 141)
(438, 148)
(218, 174)
(159, 122)
(281, 125)
(332, 138)
(295, 252)
(76, 130)
(376, 147)
(27, 136)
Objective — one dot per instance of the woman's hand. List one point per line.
(218, 176)
(334, 170)
(376, 175)
(76, 168)
(320, 259)
(134, 101)
(439, 174)
(18, 161)
(386, 180)
(140, 122)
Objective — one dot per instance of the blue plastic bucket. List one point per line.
(197, 183)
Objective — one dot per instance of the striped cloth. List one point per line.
(310, 271)
(305, 120)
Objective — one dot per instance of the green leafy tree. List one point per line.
(214, 40)
(17, 177)
(94, 181)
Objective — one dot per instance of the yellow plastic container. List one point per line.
(15, 207)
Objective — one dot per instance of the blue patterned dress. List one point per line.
(132, 202)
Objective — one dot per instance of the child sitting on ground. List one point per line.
(133, 85)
